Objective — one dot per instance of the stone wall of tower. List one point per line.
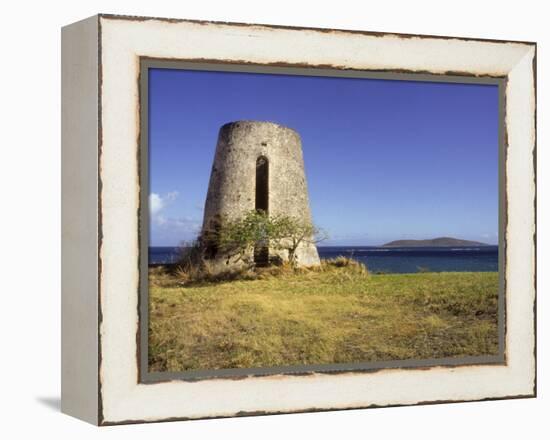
(232, 187)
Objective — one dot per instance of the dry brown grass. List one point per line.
(189, 275)
(333, 314)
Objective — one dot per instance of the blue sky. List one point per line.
(385, 160)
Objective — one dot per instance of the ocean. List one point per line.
(391, 260)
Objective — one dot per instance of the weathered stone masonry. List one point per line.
(242, 147)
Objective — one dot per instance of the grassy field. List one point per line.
(334, 315)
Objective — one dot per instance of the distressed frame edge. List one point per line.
(315, 410)
(532, 115)
(128, 17)
(535, 206)
(104, 422)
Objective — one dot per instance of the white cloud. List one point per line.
(180, 228)
(157, 202)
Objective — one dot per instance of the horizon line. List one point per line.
(364, 245)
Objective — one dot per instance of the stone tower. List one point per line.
(258, 165)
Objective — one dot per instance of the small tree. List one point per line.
(289, 233)
(236, 238)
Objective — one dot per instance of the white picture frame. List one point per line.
(101, 59)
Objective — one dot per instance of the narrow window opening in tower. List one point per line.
(261, 250)
(262, 186)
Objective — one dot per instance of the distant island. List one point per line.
(434, 242)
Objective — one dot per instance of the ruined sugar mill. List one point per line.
(258, 165)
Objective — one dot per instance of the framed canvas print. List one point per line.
(263, 219)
